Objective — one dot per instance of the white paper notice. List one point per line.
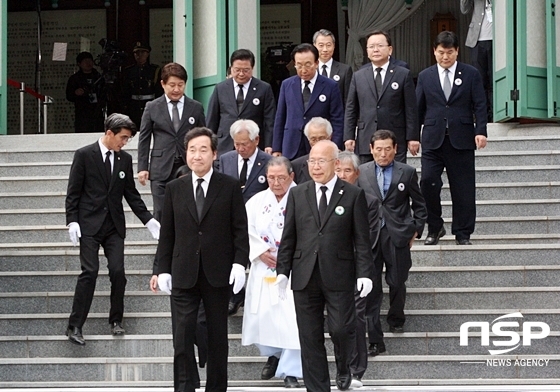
(59, 51)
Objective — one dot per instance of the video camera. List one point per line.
(110, 60)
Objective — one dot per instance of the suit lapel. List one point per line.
(297, 92)
(311, 197)
(458, 75)
(337, 193)
(258, 166)
(250, 94)
(334, 69)
(372, 178)
(213, 190)
(166, 115)
(388, 79)
(395, 178)
(116, 168)
(370, 78)
(437, 82)
(187, 190)
(317, 89)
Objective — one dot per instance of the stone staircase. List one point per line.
(513, 266)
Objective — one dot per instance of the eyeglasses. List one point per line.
(280, 179)
(241, 70)
(377, 46)
(320, 162)
(306, 66)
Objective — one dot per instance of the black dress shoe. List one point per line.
(463, 241)
(433, 238)
(343, 381)
(396, 329)
(269, 369)
(375, 349)
(75, 335)
(291, 382)
(233, 307)
(117, 328)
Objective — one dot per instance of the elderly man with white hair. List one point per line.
(317, 129)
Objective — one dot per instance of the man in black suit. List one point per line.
(341, 73)
(166, 120)
(204, 247)
(381, 97)
(395, 186)
(100, 176)
(247, 165)
(315, 130)
(325, 247)
(242, 97)
(452, 107)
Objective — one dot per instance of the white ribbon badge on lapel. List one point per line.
(394, 85)
(261, 179)
(322, 98)
(339, 210)
(458, 82)
(191, 120)
(121, 174)
(400, 187)
(336, 78)
(256, 102)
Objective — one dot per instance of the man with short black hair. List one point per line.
(452, 108)
(242, 96)
(100, 176)
(302, 97)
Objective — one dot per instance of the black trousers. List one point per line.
(397, 264)
(459, 165)
(481, 59)
(158, 188)
(113, 247)
(185, 313)
(359, 357)
(310, 304)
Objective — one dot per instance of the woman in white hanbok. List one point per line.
(270, 323)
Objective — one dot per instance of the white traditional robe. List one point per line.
(267, 320)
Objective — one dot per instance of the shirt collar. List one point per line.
(312, 81)
(182, 100)
(328, 64)
(245, 85)
(206, 177)
(329, 185)
(102, 148)
(451, 69)
(251, 158)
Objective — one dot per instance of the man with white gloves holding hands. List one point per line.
(100, 176)
(326, 248)
(204, 247)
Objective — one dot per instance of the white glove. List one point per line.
(164, 283)
(282, 283)
(74, 232)
(364, 286)
(153, 225)
(237, 277)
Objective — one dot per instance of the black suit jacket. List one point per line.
(214, 243)
(301, 169)
(341, 244)
(400, 221)
(454, 116)
(256, 181)
(259, 106)
(89, 198)
(342, 74)
(157, 124)
(395, 109)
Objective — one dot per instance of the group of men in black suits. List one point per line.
(326, 246)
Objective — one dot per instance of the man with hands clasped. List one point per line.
(204, 247)
(326, 247)
(100, 176)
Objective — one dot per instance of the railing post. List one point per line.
(21, 107)
(48, 101)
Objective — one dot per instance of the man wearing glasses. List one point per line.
(241, 97)
(302, 97)
(381, 96)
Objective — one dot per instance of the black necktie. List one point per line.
(199, 197)
(378, 81)
(175, 116)
(306, 94)
(324, 73)
(381, 185)
(240, 98)
(323, 204)
(108, 166)
(243, 174)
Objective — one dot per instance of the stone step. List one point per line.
(422, 256)
(506, 158)
(59, 233)
(149, 322)
(493, 174)
(131, 346)
(26, 200)
(94, 369)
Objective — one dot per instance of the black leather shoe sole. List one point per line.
(343, 382)
(269, 369)
(75, 337)
(433, 238)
